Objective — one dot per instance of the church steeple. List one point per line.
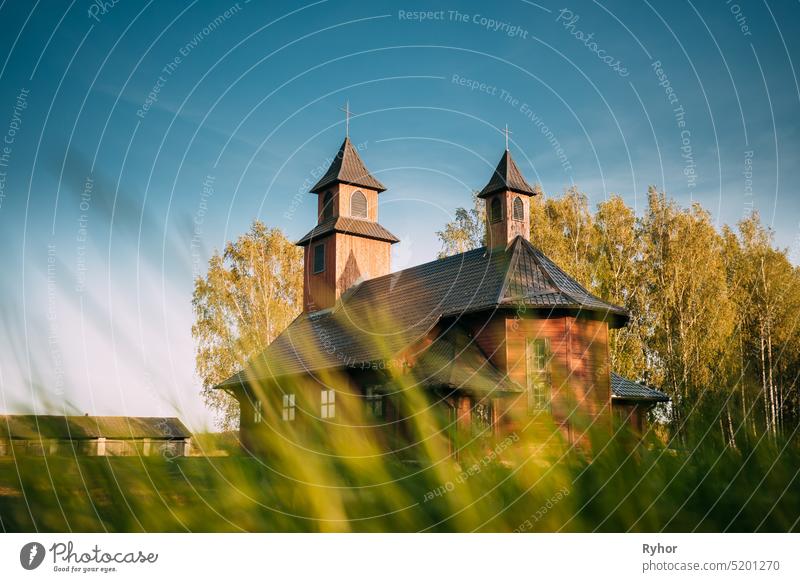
(507, 195)
(347, 245)
(347, 168)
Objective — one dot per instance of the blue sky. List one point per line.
(114, 117)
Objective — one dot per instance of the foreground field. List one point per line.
(651, 489)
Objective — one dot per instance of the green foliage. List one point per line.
(249, 295)
(466, 231)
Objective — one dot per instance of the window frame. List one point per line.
(374, 401)
(366, 204)
(327, 206)
(538, 378)
(289, 407)
(518, 204)
(496, 209)
(314, 251)
(482, 418)
(327, 403)
(258, 411)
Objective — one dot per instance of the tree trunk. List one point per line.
(763, 373)
(772, 394)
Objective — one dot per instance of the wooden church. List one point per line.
(497, 340)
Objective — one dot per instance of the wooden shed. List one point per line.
(45, 435)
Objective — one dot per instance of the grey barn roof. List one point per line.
(507, 177)
(348, 168)
(624, 389)
(31, 426)
(377, 319)
(347, 225)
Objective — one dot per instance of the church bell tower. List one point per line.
(507, 196)
(347, 245)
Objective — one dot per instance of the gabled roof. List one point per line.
(380, 317)
(347, 225)
(348, 168)
(31, 426)
(455, 361)
(624, 389)
(507, 177)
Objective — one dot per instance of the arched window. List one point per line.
(358, 204)
(327, 205)
(518, 209)
(495, 210)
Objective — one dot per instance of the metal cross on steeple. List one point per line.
(347, 114)
(507, 132)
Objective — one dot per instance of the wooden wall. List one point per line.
(633, 414)
(347, 259)
(359, 258)
(580, 396)
(341, 201)
(580, 380)
(505, 230)
(309, 431)
(589, 368)
(319, 290)
(490, 335)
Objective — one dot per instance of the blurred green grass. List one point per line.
(646, 488)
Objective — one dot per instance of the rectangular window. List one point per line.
(288, 407)
(258, 412)
(482, 415)
(496, 210)
(328, 404)
(319, 258)
(538, 364)
(374, 402)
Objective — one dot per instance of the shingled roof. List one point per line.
(455, 361)
(348, 168)
(380, 317)
(31, 426)
(347, 225)
(507, 177)
(624, 389)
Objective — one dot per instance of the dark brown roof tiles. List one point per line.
(347, 225)
(455, 361)
(382, 316)
(624, 389)
(507, 177)
(348, 168)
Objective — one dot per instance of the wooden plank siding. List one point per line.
(359, 258)
(519, 330)
(490, 335)
(503, 231)
(340, 201)
(347, 259)
(591, 384)
(580, 390)
(342, 206)
(308, 430)
(579, 370)
(319, 290)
